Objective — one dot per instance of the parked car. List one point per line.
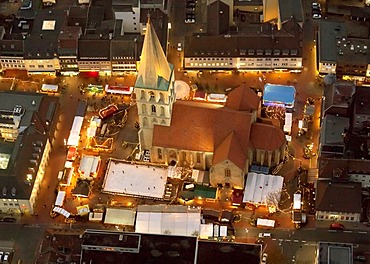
(316, 15)
(336, 226)
(316, 6)
(360, 258)
(6, 257)
(8, 219)
(264, 235)
(264, 258)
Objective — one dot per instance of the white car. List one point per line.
(264, 258)
(6, 257)
(316, 15)
(264, 235)
(190, 21)
(316, 6)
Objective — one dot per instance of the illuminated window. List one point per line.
(159, 153)
(227, 173)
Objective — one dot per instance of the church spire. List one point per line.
(153, 62)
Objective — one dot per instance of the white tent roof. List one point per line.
(118, 216)
(258, 186)
(77, 124)
(174, 223)
(73, 139)
(89, 164)
(61, 211)
(265, 222)
(206, 231)
(297, 201)
(83, 209)
(182, 89)
(60, 198)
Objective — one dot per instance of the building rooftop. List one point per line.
(338, 97)
(333, 129)
(254, 44)
(328, 167)
(362, 101)
(102, 246)
(328, 193)
(94, 49)
(344, 42)
(22, 157)
(331, 252)
(289, 9)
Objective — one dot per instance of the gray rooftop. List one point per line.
(338, 253)
(343, 42)
(289, 9)
(37, 108)
(332, 130)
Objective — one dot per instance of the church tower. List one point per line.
(154, 88)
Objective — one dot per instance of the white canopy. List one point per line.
(259, 186)
(118, 216)
(89, 164)
(177, 221)
(60, 198)
(206, 231)
(182, 89)
(61, 211)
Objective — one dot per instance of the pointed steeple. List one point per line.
(153, 62)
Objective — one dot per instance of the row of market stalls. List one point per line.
(166, 219)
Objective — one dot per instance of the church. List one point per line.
(224, 139)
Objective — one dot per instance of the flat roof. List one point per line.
(124, 178)
(136, 248)
(276, 93)
(333, 129)
(120, 216)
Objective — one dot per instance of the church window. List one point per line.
(162, 111)
(160, 154)
(227, 173)
(161, 97)
(154, 109)
(142, 95)
(143, 109)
